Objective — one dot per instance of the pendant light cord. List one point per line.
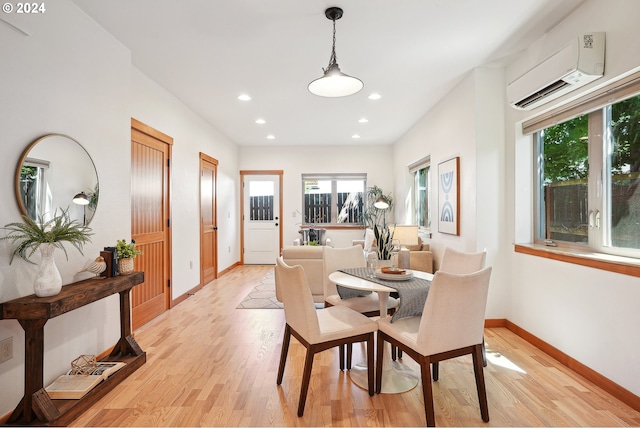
(333, 58)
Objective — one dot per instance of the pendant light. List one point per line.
(334, 83)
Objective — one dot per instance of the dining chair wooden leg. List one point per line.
(427, 391)
(436, 370)
(484, 354)
(341, 356)
(379, 360)
(349, 355)
(283, 354)
(306, 378)
(480, 385)
(370, 362)
(436, 365)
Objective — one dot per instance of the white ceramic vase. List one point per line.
(48, 280)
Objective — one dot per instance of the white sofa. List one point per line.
(311, 258)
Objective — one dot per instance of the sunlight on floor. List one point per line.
(500, 360)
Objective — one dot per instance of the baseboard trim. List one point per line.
(197, 288)
(622, 394)
(185, 296)
(229, 269)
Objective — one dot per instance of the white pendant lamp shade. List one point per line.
(334, 83)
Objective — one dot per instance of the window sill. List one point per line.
(608, 262)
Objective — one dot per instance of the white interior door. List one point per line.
(261, 219)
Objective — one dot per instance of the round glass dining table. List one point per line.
(396, 376)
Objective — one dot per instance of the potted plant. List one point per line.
(374, 217)
(126, 252)
(46, 236)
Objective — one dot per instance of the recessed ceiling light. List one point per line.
(271, 137)
(261, 121)
(356, 136)
(244, 97)
(375, 96)
(363, 120)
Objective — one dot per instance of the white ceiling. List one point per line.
(411, 52)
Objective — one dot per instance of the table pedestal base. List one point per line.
(396, 377)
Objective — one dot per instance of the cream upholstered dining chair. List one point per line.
(454, 261)
(451, 325)
(317, 330)
(367, 304)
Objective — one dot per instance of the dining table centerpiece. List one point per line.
(46, 236)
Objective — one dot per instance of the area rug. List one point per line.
(263, 295)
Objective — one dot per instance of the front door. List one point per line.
(262, 231)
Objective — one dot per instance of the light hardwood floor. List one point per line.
(210, 364)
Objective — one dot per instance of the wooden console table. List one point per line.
(36, 407)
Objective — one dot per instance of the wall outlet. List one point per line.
(6, 350)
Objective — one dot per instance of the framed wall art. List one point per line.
(449, 196)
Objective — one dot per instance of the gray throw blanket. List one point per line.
(413, 292)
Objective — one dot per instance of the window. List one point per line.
(333, 199)
(34, 188)
(588, 179)
(261, 196)
(420, 172)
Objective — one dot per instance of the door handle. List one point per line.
(215, 227)
(276, 224)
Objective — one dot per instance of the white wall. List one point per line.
(375, 161)
(191, 135)
(589, 314)
(72, 77)
(467, 123)
(68, 77)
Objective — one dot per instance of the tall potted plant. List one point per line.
(46, 236)
(374, 217)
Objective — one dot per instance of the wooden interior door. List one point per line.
(208, 220)
(150, 223)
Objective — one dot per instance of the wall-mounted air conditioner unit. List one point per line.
(577, 64)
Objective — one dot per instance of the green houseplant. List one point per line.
(46, 236)
(374, 218)
(126, 252)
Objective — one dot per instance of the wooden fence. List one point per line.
(260, 208)
(317, 208)
(567, 213)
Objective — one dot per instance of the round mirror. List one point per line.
(55, 172)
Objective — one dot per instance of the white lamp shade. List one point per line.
(405, 234)
(381, 203)
(81, 199)
(335, 83)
